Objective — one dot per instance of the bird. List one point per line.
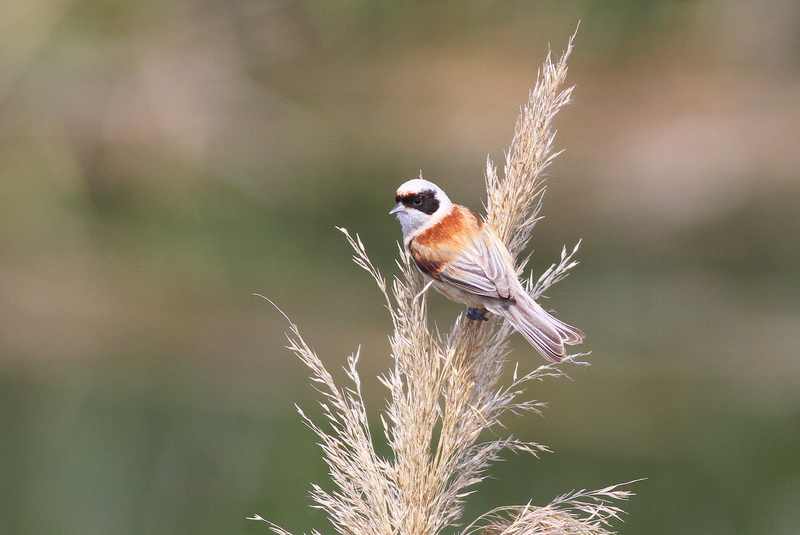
(463, 259)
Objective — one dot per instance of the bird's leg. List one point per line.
(477, 314)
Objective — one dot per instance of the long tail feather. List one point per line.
(545, 333)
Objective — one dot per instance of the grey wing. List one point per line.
(483, 269)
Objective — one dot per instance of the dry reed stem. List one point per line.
(444, 389)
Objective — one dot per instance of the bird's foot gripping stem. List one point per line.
(477, 314)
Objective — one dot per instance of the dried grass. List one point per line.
(444, 389)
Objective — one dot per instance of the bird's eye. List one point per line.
(417, 200)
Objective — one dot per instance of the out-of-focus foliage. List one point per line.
(160, 161)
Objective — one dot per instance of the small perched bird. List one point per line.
(463, 259)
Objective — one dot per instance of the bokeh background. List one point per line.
(162, 160)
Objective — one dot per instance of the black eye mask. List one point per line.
(424, 201)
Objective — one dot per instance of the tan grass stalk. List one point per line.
(444, 389)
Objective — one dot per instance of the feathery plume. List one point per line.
(444, 390)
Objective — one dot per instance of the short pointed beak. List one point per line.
(397, 208)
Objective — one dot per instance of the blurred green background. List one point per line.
(162, 160)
